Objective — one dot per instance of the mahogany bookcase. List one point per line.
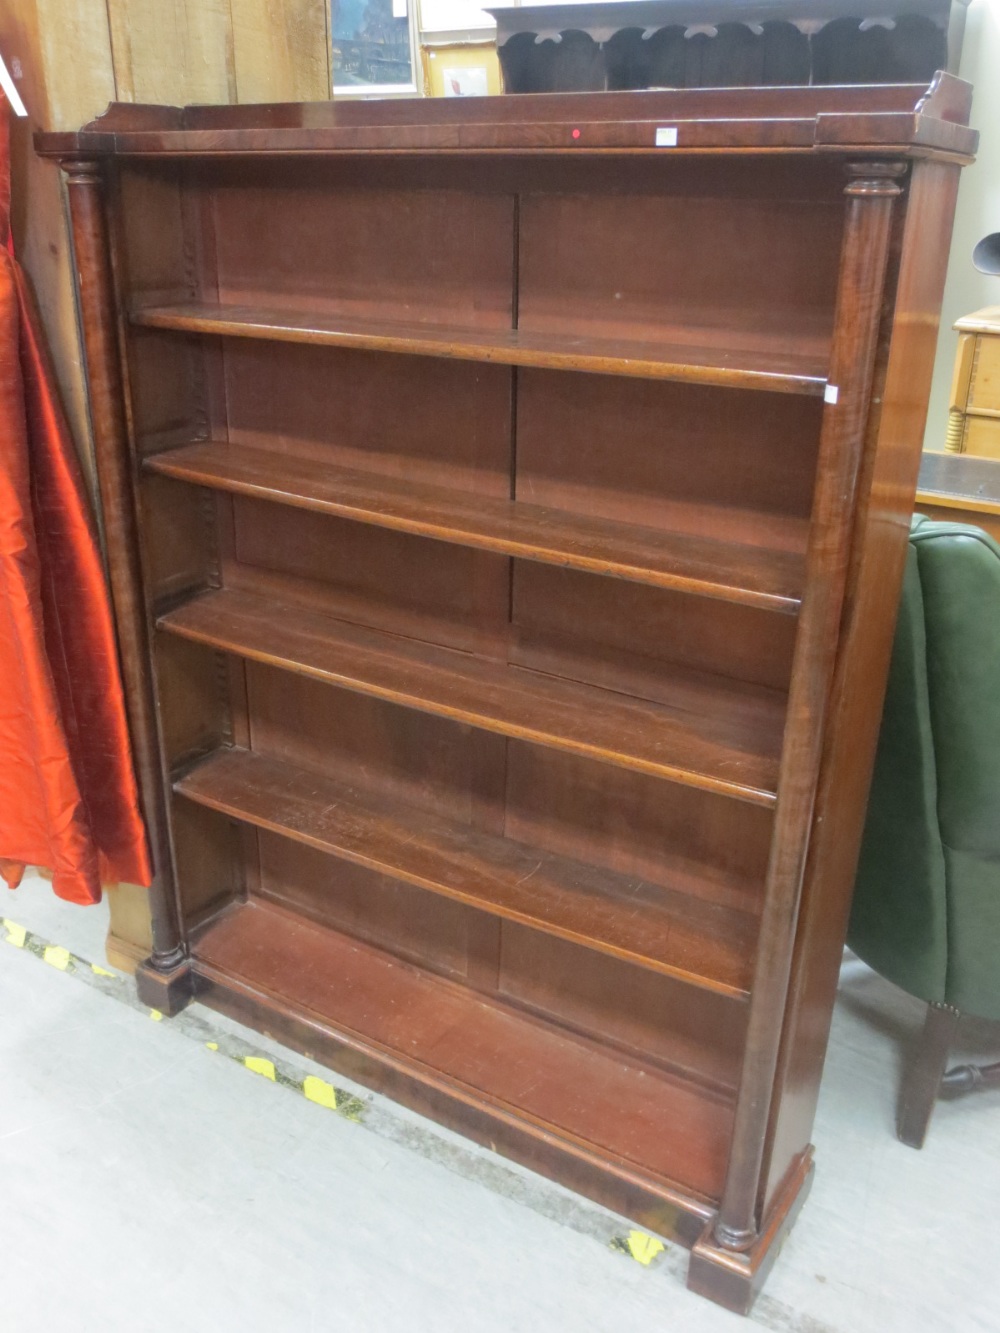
(506, 504)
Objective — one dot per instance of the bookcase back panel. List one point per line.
(422, 256)
(758, 269)
(437, 421)
(419, 927)
(700, 1036)
(428, 590)
(615, 633)
(708, 846)
(747, 180)
(429, 763)
(731, 464)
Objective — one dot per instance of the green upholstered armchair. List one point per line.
(926, 911)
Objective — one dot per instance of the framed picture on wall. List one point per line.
(372, 47)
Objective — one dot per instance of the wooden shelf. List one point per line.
(752, 576)
(662, 929)
(720, 735)
(457, 1040)
(796, 365)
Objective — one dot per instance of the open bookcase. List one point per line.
(506, 517)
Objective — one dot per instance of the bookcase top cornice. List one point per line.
(907, 119)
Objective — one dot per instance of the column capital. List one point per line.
(875, 178)
(82, 171)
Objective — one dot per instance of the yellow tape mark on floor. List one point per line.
(319, 1091)
(16, 935)
(56, 956)
(643, 1248)
(102, 971)
(212, 1045)
(258, 1065)
(156, 1016)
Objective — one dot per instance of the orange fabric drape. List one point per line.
(68, 799)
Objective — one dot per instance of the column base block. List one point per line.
(733, 1278)
(169, 992)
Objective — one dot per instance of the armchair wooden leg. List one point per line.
(922, 1078)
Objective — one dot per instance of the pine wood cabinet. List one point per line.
(506, 505)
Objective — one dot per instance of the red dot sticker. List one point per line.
(576, 134)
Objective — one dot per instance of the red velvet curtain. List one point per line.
(68, 799)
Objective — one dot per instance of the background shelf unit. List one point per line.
(505, 542)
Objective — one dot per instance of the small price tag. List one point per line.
(831, 393)
(666, 136)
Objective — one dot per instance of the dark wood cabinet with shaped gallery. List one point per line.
(506, 505)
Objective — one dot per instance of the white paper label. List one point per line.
(666, 136)
(399, 9)
(831, 393)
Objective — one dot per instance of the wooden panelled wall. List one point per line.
(70, 60)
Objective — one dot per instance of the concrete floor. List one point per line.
(151, 1184)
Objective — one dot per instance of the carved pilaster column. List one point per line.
(162, 978)
(735, 1246)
